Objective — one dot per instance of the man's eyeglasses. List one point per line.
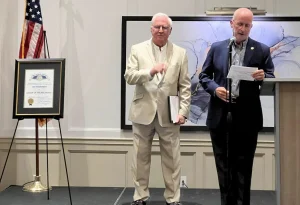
(164, 28)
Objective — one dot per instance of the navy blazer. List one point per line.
(213, 75)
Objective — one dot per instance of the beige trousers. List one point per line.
(170, 159)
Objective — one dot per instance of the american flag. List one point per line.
(32, 42)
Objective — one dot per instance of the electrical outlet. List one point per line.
(183, 181)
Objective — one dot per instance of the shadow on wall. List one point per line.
(74, 103)
(74, 111)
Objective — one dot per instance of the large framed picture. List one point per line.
(196, 35)
(39, 88)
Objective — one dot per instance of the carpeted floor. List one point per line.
(119, 196)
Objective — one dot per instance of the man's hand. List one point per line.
(159, 68)
(259, 75)
(180, 120)
(222, 93)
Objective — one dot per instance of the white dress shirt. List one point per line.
(160, 55)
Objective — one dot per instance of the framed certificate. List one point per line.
(39, 88)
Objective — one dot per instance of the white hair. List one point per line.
(162, 14)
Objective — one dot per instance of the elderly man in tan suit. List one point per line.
(158, 69)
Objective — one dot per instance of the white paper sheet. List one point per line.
(241, 73)
(173, 108)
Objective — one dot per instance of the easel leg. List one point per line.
(62, 144)
(12, 140)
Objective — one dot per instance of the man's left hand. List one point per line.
(180, 120)
(259, 75)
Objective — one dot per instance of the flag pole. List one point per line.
(23, 33)
(36, 185)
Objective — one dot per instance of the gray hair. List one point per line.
(161, 14)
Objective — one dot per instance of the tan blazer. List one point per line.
(151, 94)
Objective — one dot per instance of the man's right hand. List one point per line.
(159, 68)
(222, 93)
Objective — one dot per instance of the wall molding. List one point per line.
(96, 158)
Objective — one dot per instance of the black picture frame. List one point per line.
(124, 49)
(39, 68)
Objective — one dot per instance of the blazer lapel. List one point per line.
(250, 49)
(169, 58)
(169, 52)
(150, 52)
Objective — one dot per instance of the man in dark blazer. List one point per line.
(234, 142)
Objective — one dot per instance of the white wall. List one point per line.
(88, 34)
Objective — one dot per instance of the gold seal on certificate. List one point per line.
(30, 101)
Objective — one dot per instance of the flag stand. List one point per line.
(36, 185)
